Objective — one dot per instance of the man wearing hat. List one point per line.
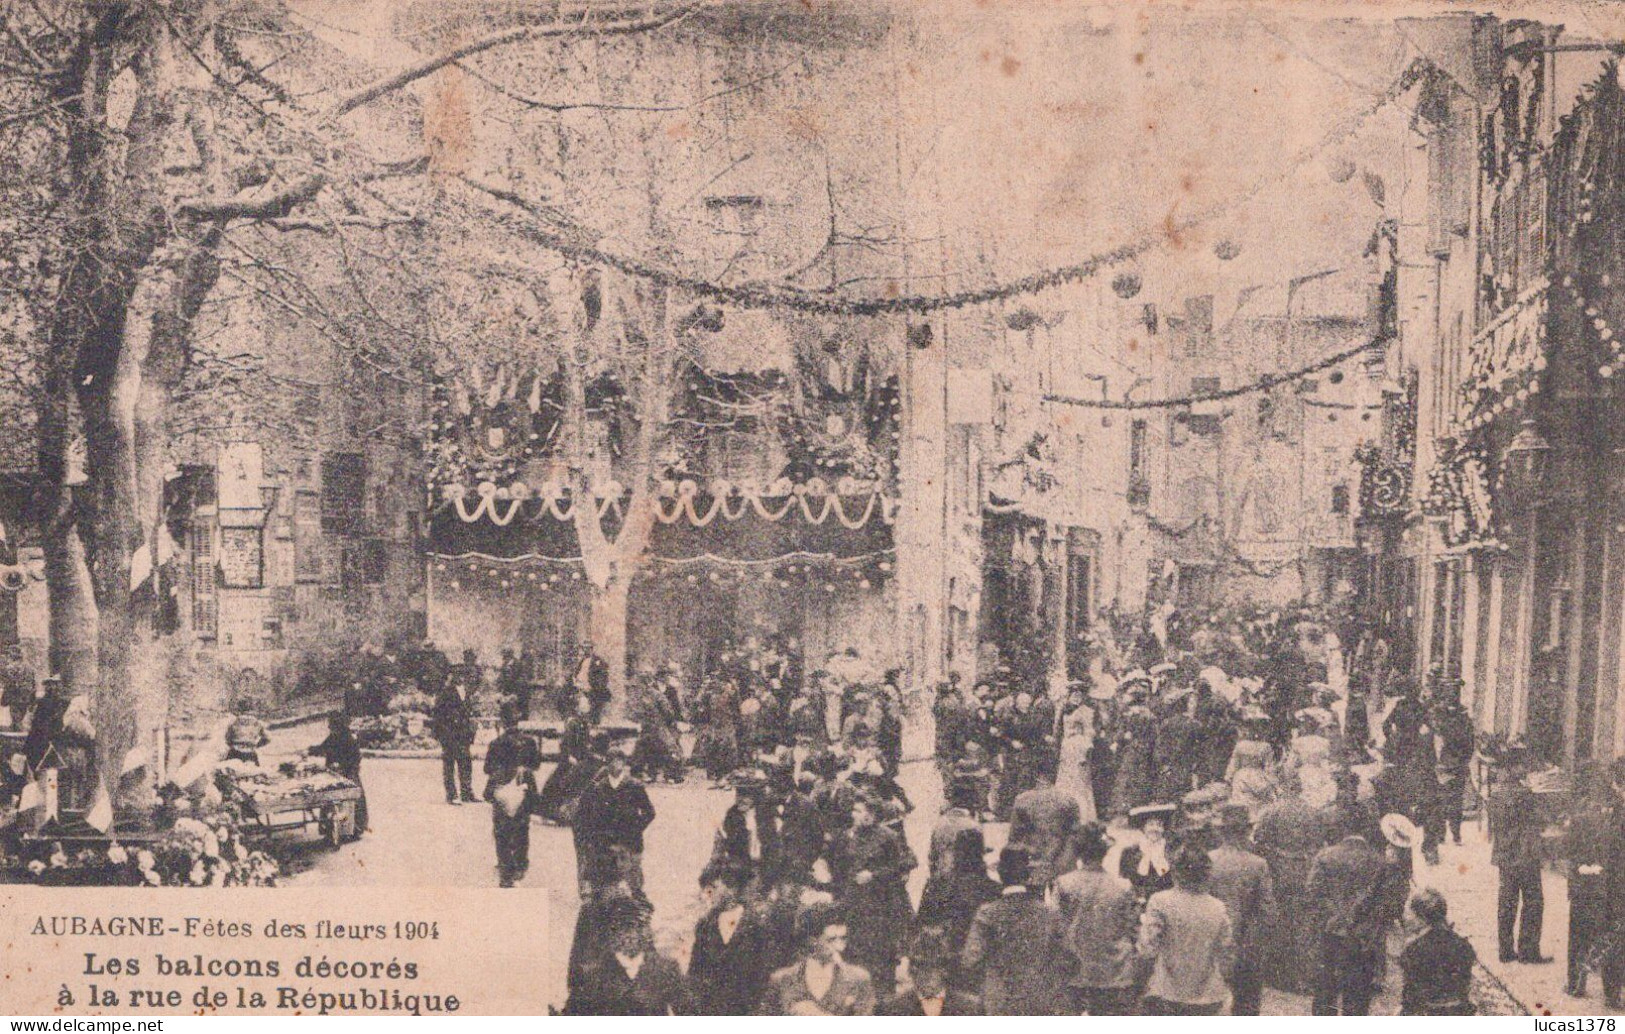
(1348, 884)
(954, 720)
(609, 824)
(1517, 822)
(747, 839)
(511, 761)
(1453, 732)
(1288, 835)
(1241, 879)
(821, 982)
(1015, 945)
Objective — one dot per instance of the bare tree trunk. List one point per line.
(71, 600)
(107, 401)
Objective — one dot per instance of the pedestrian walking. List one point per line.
(1015, 950)
(1517, 823)
(1347, 882)
(511, 761)
(728, 965)
(633, 980)
(453, 726)
(609, 824)
(951, 899)
(1185, 934)
(871, 867)
(821, 982)
(1241, 879)
(1100, 925)
(1043, 820)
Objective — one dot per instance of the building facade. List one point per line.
(1507, 300)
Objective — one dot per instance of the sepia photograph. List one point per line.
(843, 507)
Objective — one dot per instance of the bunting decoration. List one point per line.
(537, 573)
(853, 504)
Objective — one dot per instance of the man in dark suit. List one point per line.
(633, 979)
(592, 679)
(609, 824)
(1516, 823)
(453, 726)
(728, 966)
(1347, 883)
(1016, 946)
(510, 767)
(1241, 879)
(821, 982)
(1043, 820)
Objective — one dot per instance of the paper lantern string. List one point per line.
(1264, 383)
(569, 240)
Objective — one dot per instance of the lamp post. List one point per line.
(1527, 459)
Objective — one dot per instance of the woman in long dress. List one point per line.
(1077, 740)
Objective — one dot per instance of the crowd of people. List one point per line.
(1216, 804)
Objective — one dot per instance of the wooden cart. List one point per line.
(328, 814)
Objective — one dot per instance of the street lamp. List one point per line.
(1527, 459)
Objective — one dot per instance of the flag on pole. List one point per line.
(100, 815)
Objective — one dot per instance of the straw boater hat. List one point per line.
(1137, 817)
(1400, 831)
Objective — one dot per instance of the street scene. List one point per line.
(869, 508)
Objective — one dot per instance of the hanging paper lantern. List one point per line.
(1226, 250)
(1126, 284)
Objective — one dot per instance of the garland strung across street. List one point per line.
(549, 573)
(851, 504)
(1263, 383)
(557, 235)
